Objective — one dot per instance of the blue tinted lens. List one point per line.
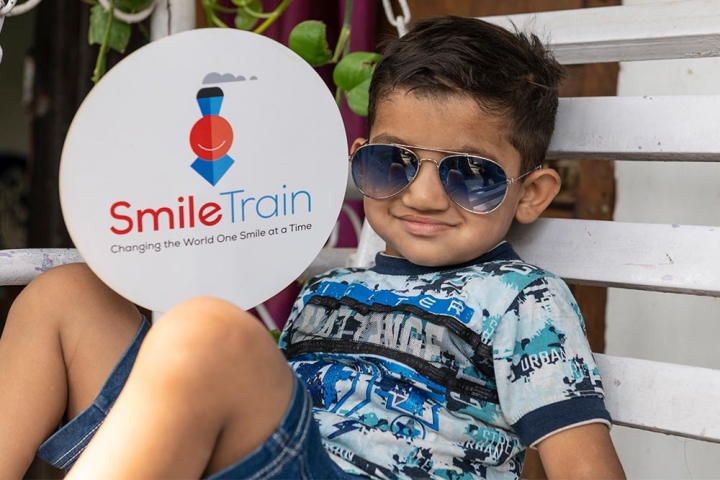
(474, 183)
(381, 171)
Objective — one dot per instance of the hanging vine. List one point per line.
(110, 32)
(308, 39)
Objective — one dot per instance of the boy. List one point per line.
(446, 360)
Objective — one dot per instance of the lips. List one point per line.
(424, 226)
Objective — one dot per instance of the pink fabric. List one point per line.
(332, 13)
(362, 39)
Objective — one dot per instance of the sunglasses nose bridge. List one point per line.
(425, 191)
(420, 160)
(437, 165)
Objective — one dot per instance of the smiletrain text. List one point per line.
(188, 213)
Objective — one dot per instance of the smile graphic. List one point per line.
(211, 137)
(213, 149)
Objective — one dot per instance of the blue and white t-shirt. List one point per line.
(447, 372)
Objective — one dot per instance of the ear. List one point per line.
(356, 144)
(539, 189)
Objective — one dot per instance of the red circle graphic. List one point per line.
(211, 137)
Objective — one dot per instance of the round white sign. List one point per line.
(211, 162)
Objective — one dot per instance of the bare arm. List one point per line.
(582, 452)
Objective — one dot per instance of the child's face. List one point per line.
(421, 223)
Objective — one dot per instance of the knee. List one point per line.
(56, 283)
(211, 329)
(68, 292)
(214, 353)
(212, 348)
(62, 288)
(59, 283)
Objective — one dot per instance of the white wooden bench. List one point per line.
(677, 259)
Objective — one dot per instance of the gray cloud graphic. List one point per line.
(215, 77)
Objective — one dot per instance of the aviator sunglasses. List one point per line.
(475, 184)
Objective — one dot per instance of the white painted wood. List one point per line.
(680, 29)
(663, 128)
(368, 245)
(677, 128)
(662, 397)
(664, 258)
(19, 267)
(328, 259)
(172, 16)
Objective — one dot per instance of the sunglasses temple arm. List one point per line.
(510, 181)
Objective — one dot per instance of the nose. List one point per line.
(425, 192)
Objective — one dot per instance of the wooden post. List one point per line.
(172, 16)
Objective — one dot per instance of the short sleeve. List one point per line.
(546, 376)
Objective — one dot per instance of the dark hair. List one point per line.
(509, 74)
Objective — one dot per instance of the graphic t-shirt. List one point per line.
(448, 372)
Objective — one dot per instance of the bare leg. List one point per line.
(63, 336)
(209, 385)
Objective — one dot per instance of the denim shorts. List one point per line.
(293, 451)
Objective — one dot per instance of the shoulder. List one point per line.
(513, 280)
(516, 270)
(504, 264)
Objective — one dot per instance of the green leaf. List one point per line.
(308, 39)
(245, 20)
(98, 22)
(119, 31)
(132, 6)
(358, 98)
(275, 334)
(354, 69)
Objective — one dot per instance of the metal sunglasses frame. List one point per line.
(411, 148)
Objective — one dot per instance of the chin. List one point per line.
(440, 257)
(427, 259)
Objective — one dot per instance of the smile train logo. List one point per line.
(211, 137)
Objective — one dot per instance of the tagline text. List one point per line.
(219, 238)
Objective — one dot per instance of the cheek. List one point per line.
(372, 209)
(376, 213)
(492, 225)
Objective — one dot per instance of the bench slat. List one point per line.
(663, 258)
(662, 397)
(682, 29)
(20, 267)
(327, 259)
(677, 128)
(673, 128)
